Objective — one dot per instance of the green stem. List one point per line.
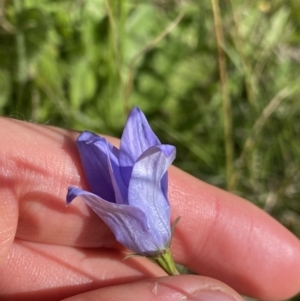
(239, 43)
(166, 262)
(21, 52)
(225, 94)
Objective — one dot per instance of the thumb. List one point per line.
(177, 288)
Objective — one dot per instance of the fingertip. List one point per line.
(286, 278)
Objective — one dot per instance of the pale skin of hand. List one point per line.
(50, 252)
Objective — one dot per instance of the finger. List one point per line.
(8, 209)
(38, 163)
(46, 272)
(192, 288)
(223, 236)
(231, 239)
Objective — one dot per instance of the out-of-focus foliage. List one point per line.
(83, 64)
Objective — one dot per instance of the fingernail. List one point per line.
(211, 295)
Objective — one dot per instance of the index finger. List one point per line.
(220, 235)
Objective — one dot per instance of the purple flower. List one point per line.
(129, 185)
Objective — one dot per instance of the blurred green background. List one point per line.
(218, 80)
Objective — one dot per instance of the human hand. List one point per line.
(50, 252)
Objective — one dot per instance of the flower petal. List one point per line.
(146, 191)
(136, 138)
(94, 162)
(100, 163)
(121, 191)
(128, 223)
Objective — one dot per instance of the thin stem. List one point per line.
(115, 36)
(225, 94)
(21, 51)
(166, 262)
(238, 40)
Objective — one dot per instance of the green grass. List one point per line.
(84, 64)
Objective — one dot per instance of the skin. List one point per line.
(50, 252)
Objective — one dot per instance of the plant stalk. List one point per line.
(225, 94)
(21, 51)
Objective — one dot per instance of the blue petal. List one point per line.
(94, 162)
(128, 223)
(146, 191)
(100, 163)
(136, 138)
(121, 191)
(72, 194)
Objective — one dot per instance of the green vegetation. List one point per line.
(84, 64)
